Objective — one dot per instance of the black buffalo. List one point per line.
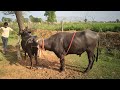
(83, 41)
(29, 45)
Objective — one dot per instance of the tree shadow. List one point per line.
(10, 55)
(75, 68)
(49, 64)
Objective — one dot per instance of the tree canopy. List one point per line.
(51, 16)
(4, 19)
(34, 19)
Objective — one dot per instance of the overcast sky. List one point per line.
(75, 15)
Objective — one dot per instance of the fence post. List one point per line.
(62, 25)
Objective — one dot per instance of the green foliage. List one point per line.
(51, 17)
(4, 19)
(105, 27)
(116, 29)
(117, 20)
(34, 19)
(78, 26)
(85, 20)
(26, 19)
(109, 54)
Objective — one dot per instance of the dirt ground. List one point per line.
(48, 68)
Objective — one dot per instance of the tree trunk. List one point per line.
(20, 22)
(19, 18)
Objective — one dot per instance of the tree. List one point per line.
(51, 16)
(40, 20)
(117, 20)
(85, 20)
(34, 19)
(31, 18)
(19, 18)
(4, 19)
(25, 19)
(8, 12)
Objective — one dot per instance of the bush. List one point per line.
(116, 29)
(109, 54)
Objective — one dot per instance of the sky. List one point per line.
(74, 15)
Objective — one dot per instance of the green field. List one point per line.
(97, 26)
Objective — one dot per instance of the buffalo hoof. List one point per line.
(86, 71)
(61, 69)
(31, 67)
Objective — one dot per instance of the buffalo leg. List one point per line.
(93, 58)
(30, 55)
(62, 63)
(25, 58)
(36, 58)
(25, 55)
(90, 58)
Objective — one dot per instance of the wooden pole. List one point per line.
(62, 25)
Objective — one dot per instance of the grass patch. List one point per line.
(107, 67)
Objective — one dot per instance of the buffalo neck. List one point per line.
(47, 44)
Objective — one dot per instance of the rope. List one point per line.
(43, 44)
(43, 49)
(70, 42)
